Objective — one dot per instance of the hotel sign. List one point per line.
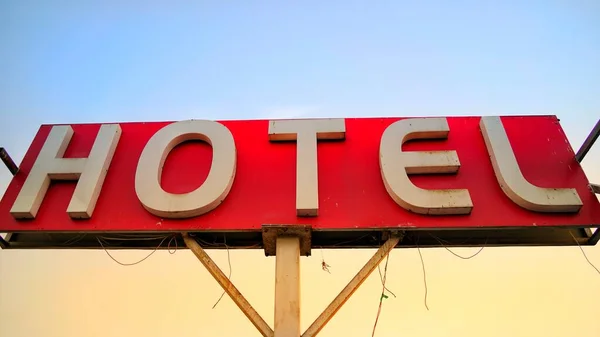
(332, 174)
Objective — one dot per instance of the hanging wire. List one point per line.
(455, 254)
(349, 241)
(583, 252)
(174, 238)
(133, 238)
(205, 243)
(383, 295)
(75, 239)
(228, 277)
(424, 276)
(100, 239)
(383, 283)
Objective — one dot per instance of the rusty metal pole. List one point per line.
(7, 160)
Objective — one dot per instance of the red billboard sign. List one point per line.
(333, 174)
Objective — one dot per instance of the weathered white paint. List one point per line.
(396, 165)
(511, 179)
(49, 165)
(306, 132)
(287, 287)
(208, 195)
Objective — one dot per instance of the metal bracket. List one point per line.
(4, 242)
(271, 232)
(7, 160)
(393, 233)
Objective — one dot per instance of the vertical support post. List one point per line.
(287, 287)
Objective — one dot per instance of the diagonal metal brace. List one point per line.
(7, 160)
(228, 286)
(5, 242)
(585, 148)
(352, 286)
(596, 236)
(589, 141)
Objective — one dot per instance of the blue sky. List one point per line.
(106, 61)
(88, 61)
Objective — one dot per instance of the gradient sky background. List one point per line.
(107, 61)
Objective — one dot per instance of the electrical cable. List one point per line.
(457, 255)
(215, 244)
(383, 284)
(75, 239)
(229, 276)
(350, 241)
(384, 278)
(584, 254)
(134, 263)
(174, 238)
(424, 276)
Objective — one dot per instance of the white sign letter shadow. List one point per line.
(511, 179)
(396, 165)
(306, 132)
(50, 165)
(207, 196)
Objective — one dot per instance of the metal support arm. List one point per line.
(351, 287)
(228, 286)
(589, 141)
(585, 148)
(7, 160)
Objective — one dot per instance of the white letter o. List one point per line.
(207, 196)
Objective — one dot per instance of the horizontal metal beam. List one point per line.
(466, 237)
(589, 141)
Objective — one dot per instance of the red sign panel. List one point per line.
(352, 192)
